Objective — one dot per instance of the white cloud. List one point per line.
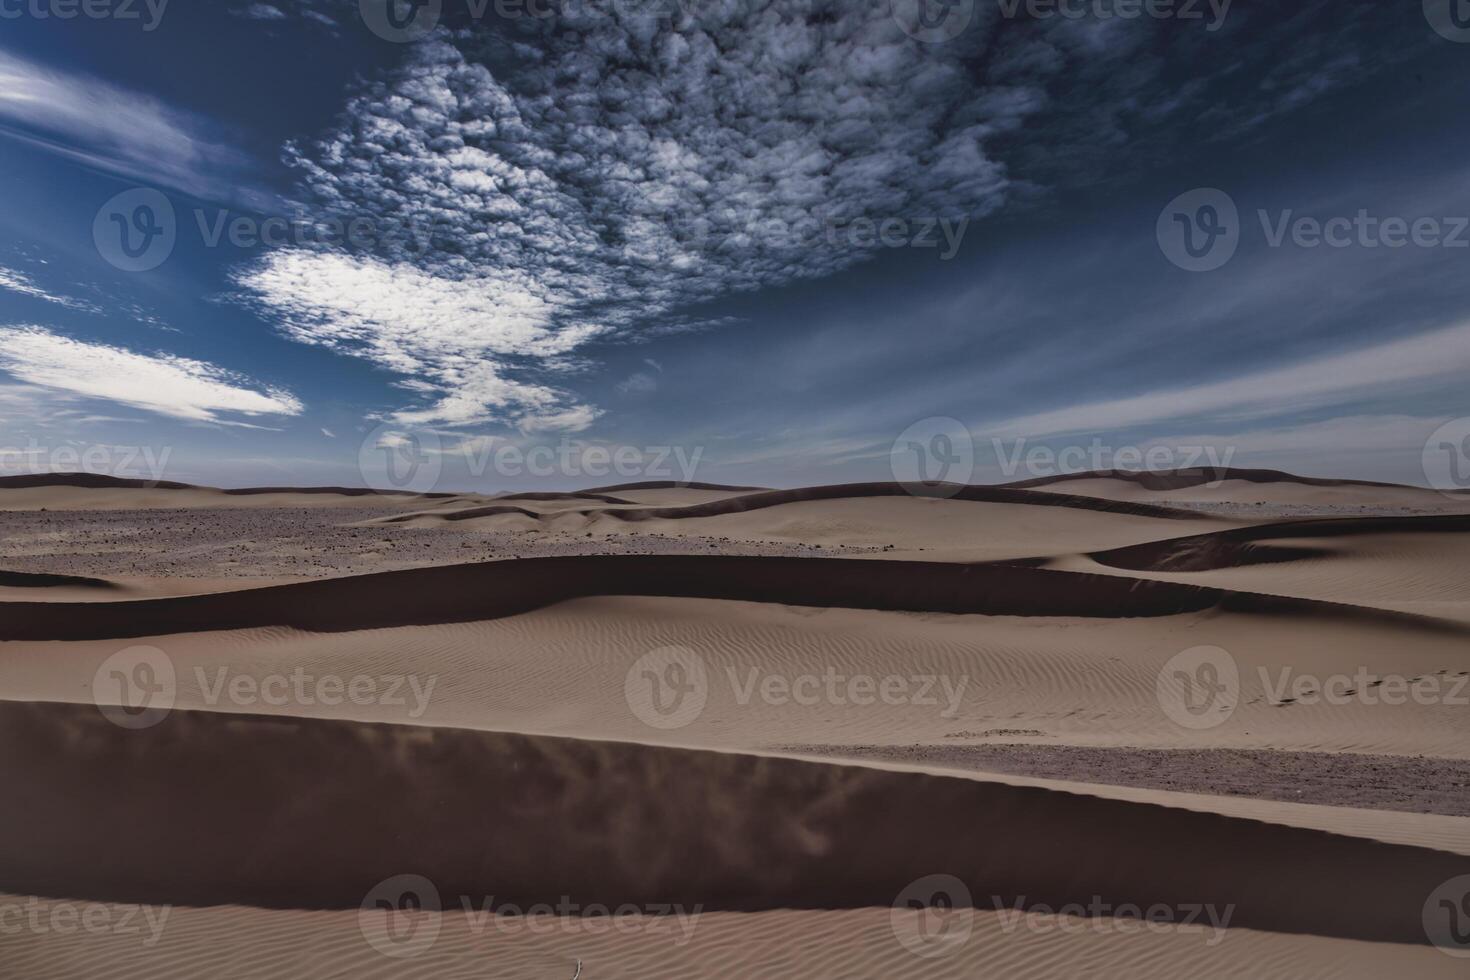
(112, 128)
(260, 11)
(18, 282)
(638, 383)
(598, 175)
(162, 383)
(451, 336)
(1336, 379)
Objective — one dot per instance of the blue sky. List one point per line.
(777, 239)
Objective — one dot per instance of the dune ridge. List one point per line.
(324, 810)
(491, 590)
(102, 481)
(1184, 479)
(845, 491)
(1238, 546)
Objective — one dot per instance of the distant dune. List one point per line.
(490, 590)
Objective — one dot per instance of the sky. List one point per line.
(495, 244)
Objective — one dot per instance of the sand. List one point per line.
(885, 688)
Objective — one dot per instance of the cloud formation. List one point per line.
(538, 185)
(113, 129)
(174, 386)
(1333, 380)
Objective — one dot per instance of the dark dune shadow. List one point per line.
(490, 590)
(1251, 545)
(207, 808)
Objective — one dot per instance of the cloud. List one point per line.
(451, 336)
(638, 383)
(174, 386)
(19, 282)
(1337, 379)
(260, 11)
(594, 176)
(114, 129)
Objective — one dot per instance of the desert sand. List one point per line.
(831, 732)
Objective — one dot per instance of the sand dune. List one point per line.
(460, 593)
(331, 808)
(1253, 545)
(1253, 493)
(1049, 773)
(90, 491)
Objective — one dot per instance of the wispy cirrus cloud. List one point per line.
(1439, 356)
(18, 282)
(178, 387)
(116, 130)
